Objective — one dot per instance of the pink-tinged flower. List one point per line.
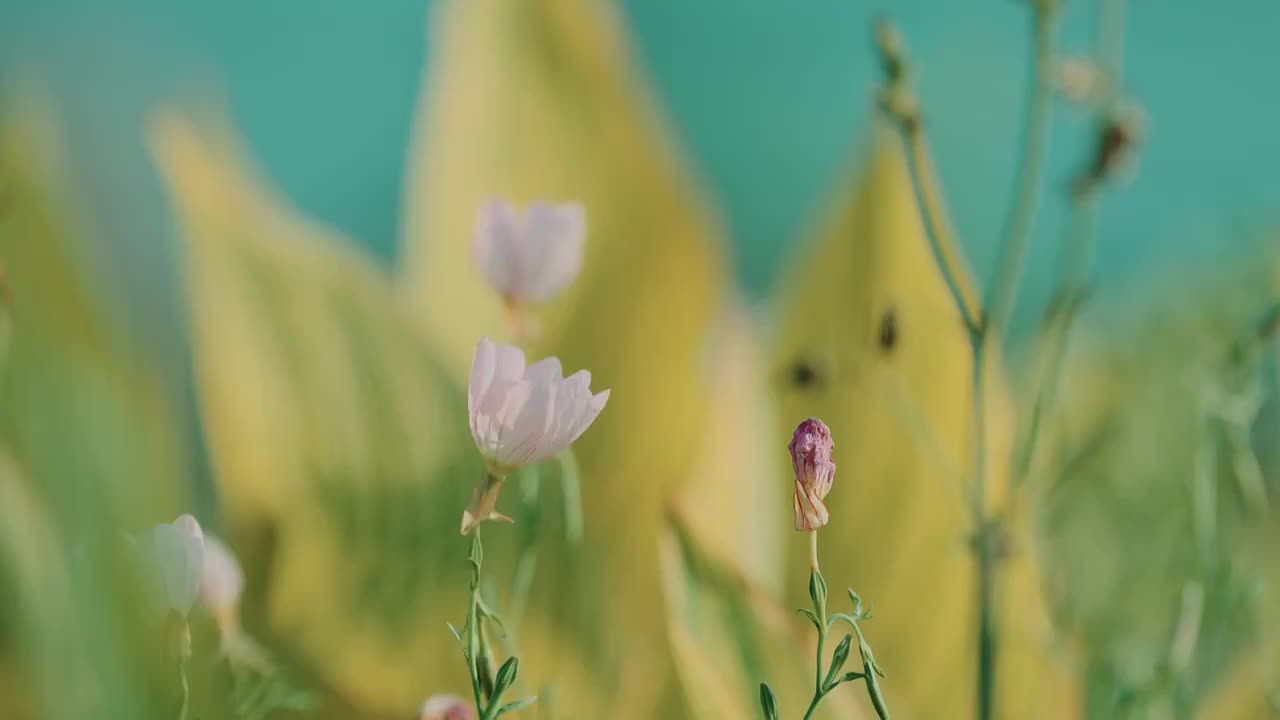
(529, 256)
(173, 554)
(811, 447)
(522, 415)
(446, 707)
(221, 583)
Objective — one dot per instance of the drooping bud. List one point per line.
(811, 447)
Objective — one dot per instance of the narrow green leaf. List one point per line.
(818, 592)
(838, 658)
(812, 618)
(768, 703)
(520, 704)
(506, 677)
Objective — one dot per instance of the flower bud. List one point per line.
(811, 447)
(172, 556)
(446, 707)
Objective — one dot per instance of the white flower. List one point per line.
(522, 415)
(221, 582)
(446, 707)
(530, 256)
(174, 557)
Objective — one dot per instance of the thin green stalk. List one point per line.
(186, 690)
(820, 610)
(1081, 238)
(473, 621)
(933, 215)
(1029, 179)
(984, 545)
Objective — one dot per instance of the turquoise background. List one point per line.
(769, 99)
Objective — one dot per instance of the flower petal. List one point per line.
(531, 429)
(546, 370)
(498, 247)
(554, 237)
(483, 366)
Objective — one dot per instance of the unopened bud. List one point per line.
(811, 447)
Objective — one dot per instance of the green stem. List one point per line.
(820, 610)
(186, 690)
(1081, 237)
(986, 570)
(813, 705)
(473, 621)
(1028, 180)
(933, 214)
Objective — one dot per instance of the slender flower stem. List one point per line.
(984, 545)
(933, 216)
(182, 645)
(1028, 181)
(819, 609)
(473, 622)
(186, 690)
(985, 318)
(1081, 238)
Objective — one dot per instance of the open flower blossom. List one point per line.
(811, 447)
(221, 583)
(521, 415)
(173, 554)
(529, 256)
(446, 707)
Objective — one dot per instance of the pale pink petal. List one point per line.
(544, 371)
(510, 363)
(483, 365)
(178, 551)
(498, 246)
(446, 707)
(532, 428)
(555, 235)
(222, 580)
(501, 431)
(593, 408)
(576, 394)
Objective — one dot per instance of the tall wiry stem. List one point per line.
(990, 316)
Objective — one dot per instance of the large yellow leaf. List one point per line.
(82, 412)
(335, 434)
(869, 340)
(537, 100)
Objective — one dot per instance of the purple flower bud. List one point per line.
(810, 448)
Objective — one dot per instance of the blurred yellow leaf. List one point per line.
(333, 432)
(69, 371)
(869, 340)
